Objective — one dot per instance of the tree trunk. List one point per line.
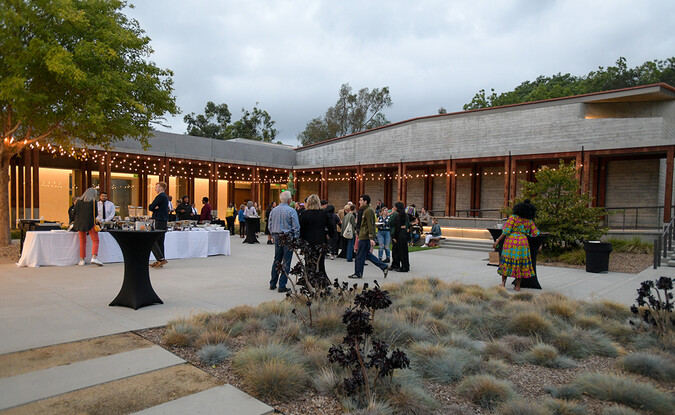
(5, 238)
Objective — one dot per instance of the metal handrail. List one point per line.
(635, 224)
(664, 243)
(479, 212)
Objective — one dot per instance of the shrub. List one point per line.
(517, 407)
(547, 355)
(625, 391)
(327, 381)
(212, 336)
(486, 391)
(448, 367)
(257, 355)
(563, 407)
(212, 354)
(275, 380)
(650, 365)
(495, 367)
(179, 334)
(529, 323)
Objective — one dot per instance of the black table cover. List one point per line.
(535, 243)
(252, 226)
(136, 289)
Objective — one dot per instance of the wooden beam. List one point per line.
(586, 173)
(12, 191)
(404, 185)
(36, 182)
(28, 186)
(108, 173)
(453, 188)
(507, 181)
(399, 182)
(513, 179)
(602, 182)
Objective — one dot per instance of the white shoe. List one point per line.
(81, 262)
(97, 262)
(425, 246)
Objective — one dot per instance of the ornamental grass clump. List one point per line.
(180, 333)
(275, 380)
(495, 367)
(486, 390)
(546, 355)
(580, 343)
(563, 407)
(517, 407)
(618, 410)
(624, 391)
(213, 354)
(448, 366)
(609, 309)
(212, 336)
(529, 323)
(650, 365)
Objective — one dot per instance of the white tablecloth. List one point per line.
(63, 248)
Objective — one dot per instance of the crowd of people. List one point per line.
(350, 233)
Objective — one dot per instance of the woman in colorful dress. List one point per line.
(515, 260)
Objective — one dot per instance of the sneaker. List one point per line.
(386, 261)
(273, 287)
(354, 276)
(425, 246)
(96, 262)
(385, 272)
(270, 243)
(81, 262)
(284, 290)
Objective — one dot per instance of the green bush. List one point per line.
(486, 391)
(650, 365)
(625, 391)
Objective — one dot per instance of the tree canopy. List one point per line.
(74, 71)
(563, 85)
(353, 112)
(256, 124)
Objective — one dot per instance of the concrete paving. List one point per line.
(41, 384)
(224, 400)
(52, 305)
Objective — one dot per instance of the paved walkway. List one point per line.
(52, 305)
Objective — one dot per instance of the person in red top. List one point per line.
(206, 210)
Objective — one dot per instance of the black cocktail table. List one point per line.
(535, 243)
(136, 289)
(252, 226)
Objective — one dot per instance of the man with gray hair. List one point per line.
(283, 220)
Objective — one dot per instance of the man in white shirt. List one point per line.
(106, 209)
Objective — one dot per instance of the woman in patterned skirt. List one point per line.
(515, 261)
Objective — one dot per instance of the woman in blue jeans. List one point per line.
(383, 235)
(350, 218)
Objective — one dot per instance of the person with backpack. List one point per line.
(349, 231)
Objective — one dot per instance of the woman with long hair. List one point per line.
(515, 260)
(85, 214)
(316, 227)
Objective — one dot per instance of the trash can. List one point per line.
(597, 256)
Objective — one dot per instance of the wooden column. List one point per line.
(230, 193)
(404, 185)
(140, 189)
(399, 182)
(448, 185)
(359, 183)
(36, 182)
(28, 183)
(475, 188)
(586, 173)
(20, 187)
(668, 197)
(90, 181)
(387, 189)
(164, 176)
(507, 180)
(513, 178)
(453, 188)
(296, 184)
(602, 182)
(428, 190)
(12, 192)
(578, 162)
(190, 191)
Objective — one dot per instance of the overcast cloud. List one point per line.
(292, 56)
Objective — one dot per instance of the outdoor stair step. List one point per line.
(29, 387)
(671, 263)
(226, 400)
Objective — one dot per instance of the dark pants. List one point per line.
(281, 253)
(400, 251)
(230, 224)
(364, 253)
(158, 247)
(242, 228)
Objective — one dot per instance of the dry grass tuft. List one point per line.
(213, 354)
(563, 407)
(530, 323)
(275, 380)
(523, 297)
(650, 365)
(609, 309)
(180, 334)
(495, 367)
(516, 407)
(546, 355)
(486, 391)
(499, 350)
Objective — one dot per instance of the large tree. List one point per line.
(256, 124)
(352, 113)
(562, 85)
(74, 72)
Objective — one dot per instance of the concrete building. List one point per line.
(465, 164)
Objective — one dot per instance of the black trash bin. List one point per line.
(597, 256)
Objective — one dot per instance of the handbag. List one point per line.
(348, 233)
(97, 228)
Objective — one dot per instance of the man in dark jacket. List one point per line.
(160, 213)
(184, 210)
(367, 233)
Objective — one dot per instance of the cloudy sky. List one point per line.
(292, 56)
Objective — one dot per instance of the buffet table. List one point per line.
(61, 248)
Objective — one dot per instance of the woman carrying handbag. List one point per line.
(85, 216)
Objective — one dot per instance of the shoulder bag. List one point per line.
(96, 227)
